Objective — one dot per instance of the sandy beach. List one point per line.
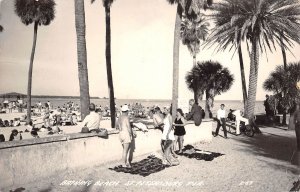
(38, 122)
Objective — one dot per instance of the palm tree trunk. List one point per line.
(108, 67)
(209, 102)
(243, 77)
(285, 69)
(176, 63)
(194, 60)
(82, 58)
(283, 52)
(253, 82)
(30, 73)
(195, 90)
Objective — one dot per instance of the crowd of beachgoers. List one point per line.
(49, 118)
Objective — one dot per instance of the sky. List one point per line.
(142, 53)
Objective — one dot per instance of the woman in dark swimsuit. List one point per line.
(179, 133)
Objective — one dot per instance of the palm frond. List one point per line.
(31, 11)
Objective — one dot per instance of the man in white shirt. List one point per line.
(239, 118)
(221, 116)
(92, 121)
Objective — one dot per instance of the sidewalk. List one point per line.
(261, 163)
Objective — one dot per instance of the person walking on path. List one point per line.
(221, 116)
(126, 136)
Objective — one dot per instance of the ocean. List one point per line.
(229, 104)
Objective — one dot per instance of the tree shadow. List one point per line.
(49, 189)
(272, 146)
(20, 189)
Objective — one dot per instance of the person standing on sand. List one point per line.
(39, 106)
(126, 136)
(168, 139)
(297, 125)
(195, 114)
(46, 117)
(221, 116)
(49, 104)
(179, 132)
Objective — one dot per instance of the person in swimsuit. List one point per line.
(167, 139)
(126, 136)
(179, 132)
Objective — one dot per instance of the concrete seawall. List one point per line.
(28, 160)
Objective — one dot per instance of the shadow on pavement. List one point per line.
(272, 145)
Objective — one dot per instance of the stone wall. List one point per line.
(28, 160)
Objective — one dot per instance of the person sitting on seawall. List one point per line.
(158, 119)
(195, 113)
(15, 135)
(92, 121)
(2, 138)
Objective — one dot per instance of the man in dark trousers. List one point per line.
(196, 113)
(221, 117)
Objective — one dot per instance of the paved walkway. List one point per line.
(261, 163)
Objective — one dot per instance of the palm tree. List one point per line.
(224, 35)
(262, 20)
(82, 58)
(107, 5)
(39, 13)
(192, 32)
(283, 80)
(210, 78)
(191, 9)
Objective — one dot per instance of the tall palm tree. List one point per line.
(191, 9)
(39, 13)
(82, 58)
(281, 33)
(262, 19)
(107, 5)
(284, 80)
(192, 32)
(225, 36)
(210, 78)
